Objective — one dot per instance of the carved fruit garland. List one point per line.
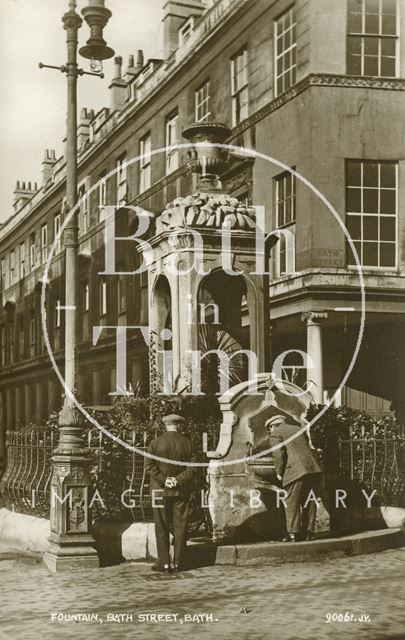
(206, 210)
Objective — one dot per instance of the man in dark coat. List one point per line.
(299, 468)
(171, 486)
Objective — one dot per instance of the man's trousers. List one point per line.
(299, 511)
(171, 515)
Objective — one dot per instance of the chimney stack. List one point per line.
(175, 14)
(118, 87)
(47, 165)
(132, 70)
(140, 60)
(117, 68)
(83, 128)
(22, 193)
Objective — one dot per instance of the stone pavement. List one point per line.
(284, 602)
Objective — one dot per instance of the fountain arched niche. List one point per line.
(160, 321)
(225, 304)
(175, 259)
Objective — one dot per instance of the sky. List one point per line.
(33, 101)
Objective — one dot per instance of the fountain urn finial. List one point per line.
(207, 158)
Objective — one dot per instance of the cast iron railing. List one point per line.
(25, 485)
(376, 461)
(118, 474)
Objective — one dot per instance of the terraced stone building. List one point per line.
(315, 84)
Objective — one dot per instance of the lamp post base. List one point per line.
(59, 558)
(71, 543)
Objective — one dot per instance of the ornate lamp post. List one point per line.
(71, 540)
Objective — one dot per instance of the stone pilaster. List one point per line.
(97, 379)
(19, 405)
(40, 400)
(28, 402)
(53, 396)
(10, 413)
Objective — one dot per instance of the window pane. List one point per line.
(288, 211)
(371, 46)
(387, 202)
(370, 174)
(354, 200)
(372, 23)
(293, 75)
(370, 66)
(350, 254)
(388, 67)
(354, 65)
(280, 192)
(389, 6)
(387, 175)
(354, 227)
(388, 46)
(370, 253)
(370, 228)
(372, 6)
(370, 200)
(387, 229)
(354, 5)
(354, 25)
(387, 255)
(354, 173)
(389, 25)
(280, 214)
(282, 267)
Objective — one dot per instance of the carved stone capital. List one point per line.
(314, 317)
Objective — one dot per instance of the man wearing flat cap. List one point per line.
(171, 486)
(299, 468)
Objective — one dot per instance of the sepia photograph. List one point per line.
(202, 319)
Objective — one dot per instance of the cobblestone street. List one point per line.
(287, 602)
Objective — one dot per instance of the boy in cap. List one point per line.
(171, 486)
(299, 468)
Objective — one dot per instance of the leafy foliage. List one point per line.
(360, 451)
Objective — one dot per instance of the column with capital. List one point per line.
(315, 381)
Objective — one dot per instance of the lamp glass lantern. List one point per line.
(96, 49)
